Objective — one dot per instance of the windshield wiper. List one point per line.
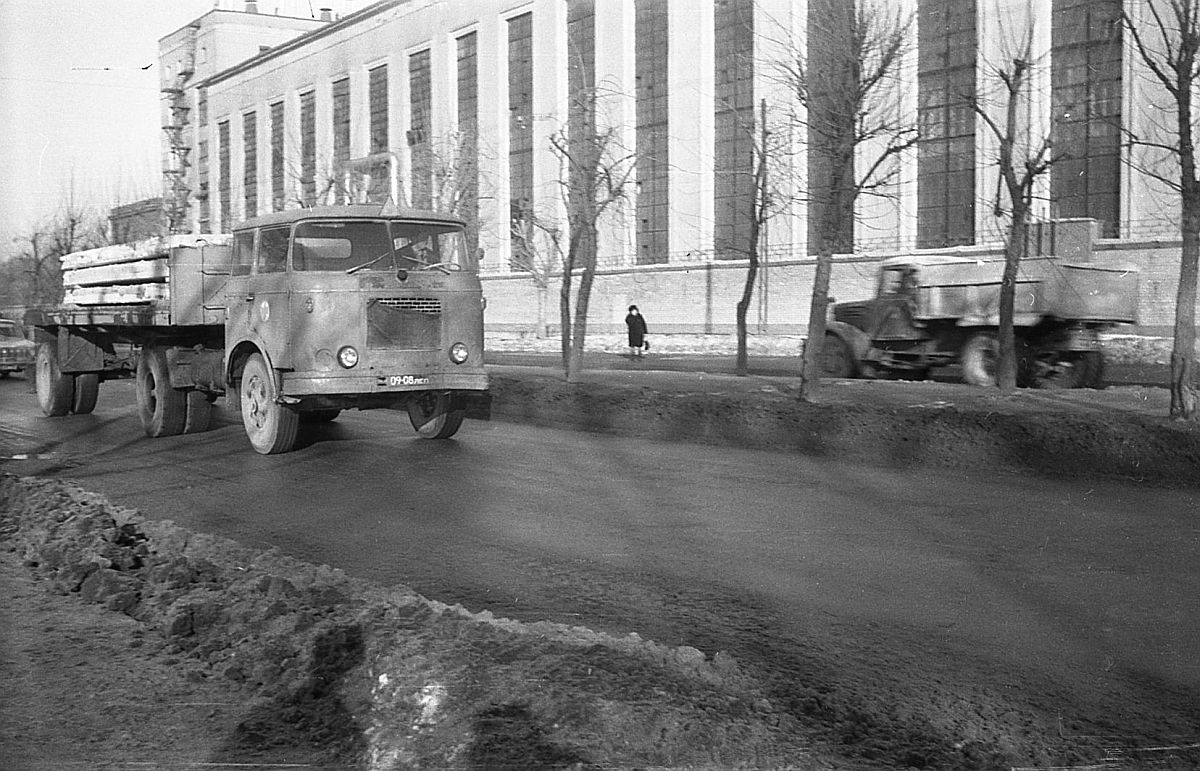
(367, 264)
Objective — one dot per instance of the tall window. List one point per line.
(277, 177)
(581, 79)
(250, 165)
(946, 146)
(468, 132)
(1086, 87)
(225, 169)
(377, 94)
(341, 122)
(420, 99)
(650, 63)
(308, 148)
(520, 117)
(205, 223)
(734, 160)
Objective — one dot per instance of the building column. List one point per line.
(493, 139)
(616, 109)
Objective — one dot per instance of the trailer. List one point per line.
(292, 318)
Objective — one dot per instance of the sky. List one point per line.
(79, 104)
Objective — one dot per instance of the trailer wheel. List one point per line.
(836, 358)
(162, 409)
(55, 391)
(432, 417)
(979, 356)
(1093, 370)
(199, 412)
(270, 426)
(87, 390)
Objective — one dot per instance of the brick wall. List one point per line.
(703, 298)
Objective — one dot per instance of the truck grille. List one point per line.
(406, 323)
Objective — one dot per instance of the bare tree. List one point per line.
(537, 249)
(848, 79)
(1023, 156)
(34, 273)
(1169, 46)
(596, 177)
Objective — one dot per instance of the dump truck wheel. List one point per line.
(199, 412)
(837, 361)
(432, 417)
(270, 426)
(87, 390)
(162, 409)
(55, 391)
(979, 357)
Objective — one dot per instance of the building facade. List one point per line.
(451, 104)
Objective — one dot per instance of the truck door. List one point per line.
(892, 316)
(268, 295)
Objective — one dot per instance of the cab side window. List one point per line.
(273, 249)
(243, 253)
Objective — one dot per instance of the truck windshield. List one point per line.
(377, 245)
(10, 331)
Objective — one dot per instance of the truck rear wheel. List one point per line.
(162, 409)
(836, 358)
(979, 356)
(87, 390)
(270, 426)
(55, 391)
(432, 417)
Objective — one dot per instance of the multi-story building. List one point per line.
(451, 104)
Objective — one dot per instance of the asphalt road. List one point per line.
(807, 571)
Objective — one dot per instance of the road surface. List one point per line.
(824, 578)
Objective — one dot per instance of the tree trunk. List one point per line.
(1014, 250)
(587, 248)
(810, 376)
(1183, 388)
(743, 307)
(542, 329)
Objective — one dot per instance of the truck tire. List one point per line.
(978, 357)
(837, 360)
(199, 412)
(270, 426)
(55, 391)
(162, 409)
(1093, 365)
(432, 417)
(87, 390)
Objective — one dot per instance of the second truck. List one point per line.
(292, 318)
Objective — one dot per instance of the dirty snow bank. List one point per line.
(388, 679)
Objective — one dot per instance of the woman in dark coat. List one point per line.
(637, 331)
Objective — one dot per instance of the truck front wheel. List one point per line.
(55, 391)
(836, 358)
(162, 409)
(979, 357)
(431, 415)
(270, 426)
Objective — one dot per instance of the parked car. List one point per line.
(16, 353)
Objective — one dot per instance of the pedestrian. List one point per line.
(637, 332)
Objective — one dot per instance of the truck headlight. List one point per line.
(347, 356)
(459, 353)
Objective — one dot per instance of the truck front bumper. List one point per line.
(304, 384)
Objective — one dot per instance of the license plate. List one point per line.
(407, 380)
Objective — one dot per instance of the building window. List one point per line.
(277, 178)
(308, 148)
(341, 122)
(202, 106)
(1086, 87)
(377, 94)
(250, 165)
(651, 130)
(734, 160)
(581, 85)
(420, 105)
(946, 143)
(225, 169)
(205, 223)
(468, 132)
(520, 120)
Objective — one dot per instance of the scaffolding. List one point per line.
(177, 127)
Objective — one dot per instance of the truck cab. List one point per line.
(352, 307)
